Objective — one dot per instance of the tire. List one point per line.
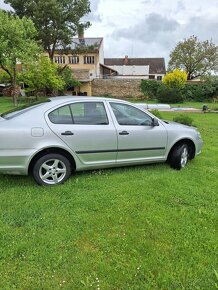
(51, 169)
(179, 156)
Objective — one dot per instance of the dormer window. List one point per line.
(89, 59)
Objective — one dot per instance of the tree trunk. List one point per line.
(189, 77)
(14, 83)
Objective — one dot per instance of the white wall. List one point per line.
(131, 70)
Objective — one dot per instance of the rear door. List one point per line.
(87, 128)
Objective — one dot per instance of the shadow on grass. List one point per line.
(24, 181)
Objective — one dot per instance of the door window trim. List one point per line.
(72, 117)
(137, 125)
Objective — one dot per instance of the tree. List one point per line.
(67, 76)
(196, 57)
(57, 21)
(16, 44)
(41, 76)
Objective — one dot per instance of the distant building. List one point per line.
(137, 68)
(85, 57)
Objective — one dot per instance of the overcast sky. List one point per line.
(150, 28)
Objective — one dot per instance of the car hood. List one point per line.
(172, 124)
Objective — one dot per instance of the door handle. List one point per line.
(67, 133)
(124, 133)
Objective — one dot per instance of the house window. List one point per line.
(73, 59)
(159, 78)
(89, 59)
(59, 59)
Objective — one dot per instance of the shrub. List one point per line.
(169, 95)
(176, 79)
(183, 119)
(156, 113)
(202, 91)
(149, 88)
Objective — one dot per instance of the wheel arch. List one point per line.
(191, 146)
(55, 150)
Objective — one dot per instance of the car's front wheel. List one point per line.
(51, 169)
(179, 156)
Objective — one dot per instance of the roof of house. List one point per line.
(109, 68)
(86, 41)
(156, 65)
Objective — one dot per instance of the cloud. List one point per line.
(94, 16)
(156, 35)
(181, 6)
(203, 27)
(152, 28)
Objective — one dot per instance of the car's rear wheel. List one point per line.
(51, 169)
(179, 156)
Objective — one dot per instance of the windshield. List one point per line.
(22, 109)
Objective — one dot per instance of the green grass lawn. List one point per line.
(145, 227)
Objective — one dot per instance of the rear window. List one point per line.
(22, 109)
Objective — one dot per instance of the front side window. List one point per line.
(84, 113)
(128, 115)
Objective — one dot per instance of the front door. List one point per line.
(138, 139)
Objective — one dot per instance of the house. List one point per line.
(85, 57)
(137, 68)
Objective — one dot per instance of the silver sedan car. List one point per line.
(52, 139)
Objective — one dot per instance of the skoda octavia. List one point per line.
(52, 139)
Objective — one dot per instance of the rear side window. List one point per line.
(61, 115)
(82, 113)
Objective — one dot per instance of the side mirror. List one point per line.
(155, 122)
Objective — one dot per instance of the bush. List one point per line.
(183, 119)
(202, 91)
(169, 95)
(156, 113)
(149, 88)
(176, 79)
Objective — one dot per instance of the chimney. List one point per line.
(80, 31)
(126, 59)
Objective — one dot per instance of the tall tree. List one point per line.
(196, 57)
(57, 21)
(17, 44)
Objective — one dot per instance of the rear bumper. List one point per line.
(14, 161)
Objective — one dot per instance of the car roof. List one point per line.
(61, 99)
